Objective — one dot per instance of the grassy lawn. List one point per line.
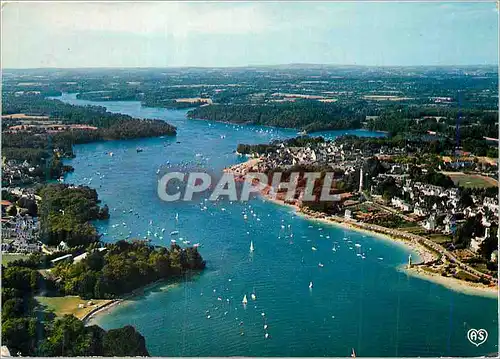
(406, 225)
(69, 305)
(473, 181)
(439, 238)
(415, 229)
(6, 257)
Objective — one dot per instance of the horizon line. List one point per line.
(245, 66)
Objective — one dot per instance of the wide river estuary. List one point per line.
(367, 304)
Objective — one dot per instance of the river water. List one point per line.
(366, 304)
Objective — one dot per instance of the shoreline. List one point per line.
(425, 254)
(107, 307)
(454, 284)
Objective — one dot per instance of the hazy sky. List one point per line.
(249, 33)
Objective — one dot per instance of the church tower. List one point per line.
(361, 180)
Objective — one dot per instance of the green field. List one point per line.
(6, 257)
(472, 181)
(440, 238)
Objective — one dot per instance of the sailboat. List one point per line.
(353, 353)
(245, 300)
(253, 295)
(251, 246)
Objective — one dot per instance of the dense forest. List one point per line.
(303, 115)
(124, 267)
(111, 126)
(65, 214)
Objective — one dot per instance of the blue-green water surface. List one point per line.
(362, 303)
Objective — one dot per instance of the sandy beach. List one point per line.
(425, 254)
(454, 283)
(103, 308)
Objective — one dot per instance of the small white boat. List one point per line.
(253, 296)
(321, 265)
(173, 233)
(245, 300)
(357, 245)
(265, 326)
(310, 285)
(314, 248)
(251, 246)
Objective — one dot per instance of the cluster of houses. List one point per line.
(48, 128)
(16, 173)
(434, 202)
(323, 153)
(436, 209)
(20, 234)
